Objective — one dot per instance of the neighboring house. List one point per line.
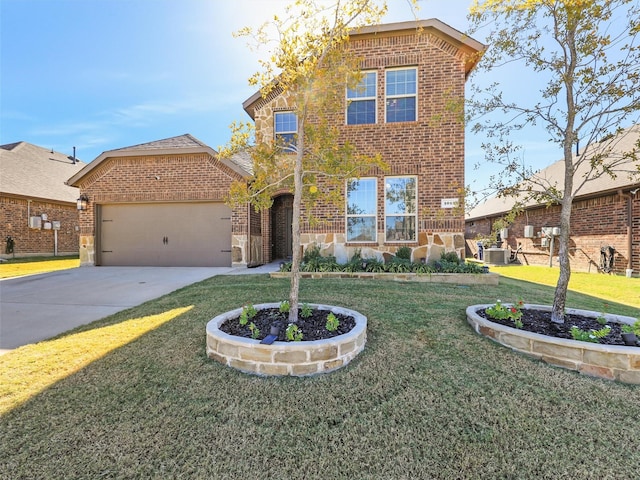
(605, 220)
(162, 203)
(38, 211)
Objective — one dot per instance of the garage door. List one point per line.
(165, 234)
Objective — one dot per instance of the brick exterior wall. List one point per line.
(14, 222)
(432, 148)
(180, 178)
(595, 223)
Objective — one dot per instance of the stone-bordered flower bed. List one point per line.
(297, 358)
(613, 362)
(449, 269)
(452, 278)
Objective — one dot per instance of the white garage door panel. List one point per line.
(166, 234)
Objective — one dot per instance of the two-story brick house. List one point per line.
(161, 203)
(412, 73)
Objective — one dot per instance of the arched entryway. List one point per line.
(281, 218)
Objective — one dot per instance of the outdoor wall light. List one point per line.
(82, 202)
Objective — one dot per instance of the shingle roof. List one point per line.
(553, 175)
(181, 141)
(243, 160)
(32, 171)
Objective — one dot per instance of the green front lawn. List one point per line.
(134, 396)
(610, 288)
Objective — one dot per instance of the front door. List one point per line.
(281, 219)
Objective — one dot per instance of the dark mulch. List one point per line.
(313, 327)
(538, 321)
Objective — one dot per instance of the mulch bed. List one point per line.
(537, 321)
(313, 327)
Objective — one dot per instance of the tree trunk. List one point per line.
(560, 297)
(295, 225)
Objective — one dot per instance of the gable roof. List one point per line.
(470, 47)
(182, 144)
(32, 171)
(553, 175)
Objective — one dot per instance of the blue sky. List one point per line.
(106, 74)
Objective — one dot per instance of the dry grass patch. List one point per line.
(16, 267)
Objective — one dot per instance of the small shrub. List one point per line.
(332, 322)
(451, 257)
(498, 311)
(626, 328)
(399, 265)
(248, 312)
(285, 266)
(306, 310)
(255, 332)
(373, 265)
(592, 336)
(404, 253)
(311, 253)
(634, 328)
(284, 306)
(355, 263)
(293, 333)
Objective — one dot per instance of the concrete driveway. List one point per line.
(37, 307)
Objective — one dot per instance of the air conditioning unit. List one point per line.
(547, 231)
(528, 231)
(35, 222)
(495, 256)
(555, 231)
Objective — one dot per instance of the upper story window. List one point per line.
(361, 101)
(286, 128)
(400, 212)
(401, 92)
(361, 210)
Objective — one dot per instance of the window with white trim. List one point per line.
(400, 212)
(361, 101)
(286, 128)
(362, 210)
(401, 94)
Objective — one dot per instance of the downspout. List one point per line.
(248, 234)
(629, 198)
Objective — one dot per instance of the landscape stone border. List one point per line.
(286, 358)
(451, 278)
(611, 362)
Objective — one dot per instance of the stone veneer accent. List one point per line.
(611, 362)
(285, 358)
(429, 247)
